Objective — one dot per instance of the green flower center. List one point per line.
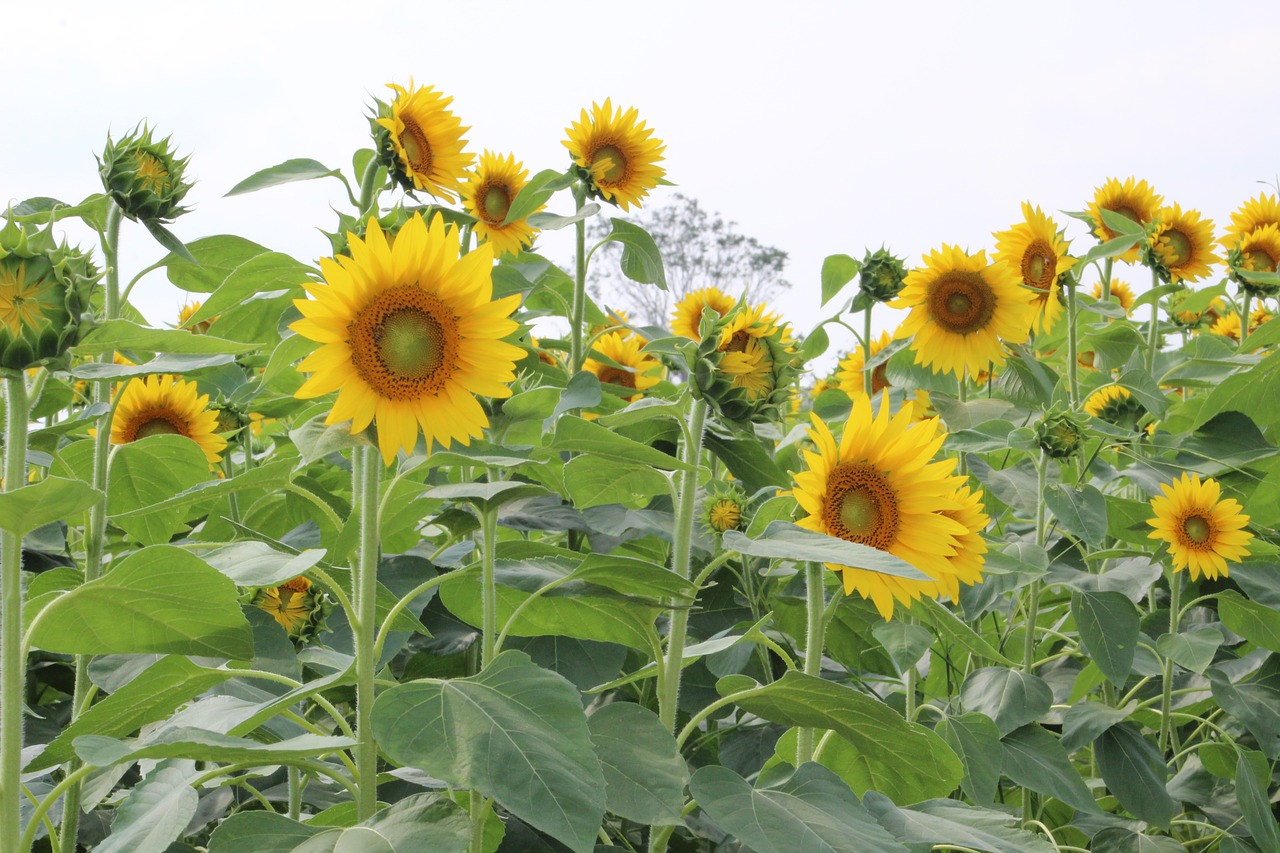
(859, 512)
(1180, 247)
(1198, 529)
(496, 203)
(405, 343)
(1039, 265)
(157, 426)
(617, 168)
(1260, 261)
(411, 344)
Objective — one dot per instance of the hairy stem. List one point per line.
(366, 475)
(576, 354)
(12, 666)
(1166, 686)
(815, 624)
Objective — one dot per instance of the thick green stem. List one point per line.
(1166, 687)
(476, 811)
(1032, 608)
(690, 455)
(489, 588)
(1073, 353)
(1106, 278)
(12, 665)
(1244, 318)
(111, 255)
(576, 322)
(866, 349)
(366, 474)
(1153, 327)
(368, 191)
(815, 623)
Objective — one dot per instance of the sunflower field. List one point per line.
(345, 559)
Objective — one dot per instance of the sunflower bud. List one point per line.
(724, 507)
(144, 177)
(882, 275)
(1060, 434)
(745, 365)
(44, 297)
(299, 608)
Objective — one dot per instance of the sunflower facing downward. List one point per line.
(1203, 530)
(409, 336)
(961, 308)
(163, 405)
(687, 314)
(1183, 244)
(618, 155)
(1258, 212)
(488, 196)
(1120, 292)
(421, 141)
(1133, 199)
(630, 367)
(880, 487)
(851, 367)
(1035, 251)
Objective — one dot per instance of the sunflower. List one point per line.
(1120, 292)
(287, 603)
(1203, 530)
(849, 372)
(23, 303)
(187, 311)
(748, 360)
(1183, 244)
(1037, 254)
(961, 307)
(409, 335)
(617, 157)
(1132, 199)
(1228, 324)
(826, 383)
(688, 311)
(968, 560)
(488, 195)
(879, 487)
(723, 507)
(1258, 212)
(164, 405)
(423, 141)
(1115, 404)
(630, 367)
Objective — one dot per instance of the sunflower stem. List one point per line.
(576, 355)
(12, 666)
(1073, 351)
(690, 455)
(365, 475)
(1166, 685)
(489, 592)
(1033, 591)
(1244, 318)
(1105, 289)
(814, 635)
(368, 190)
(866, 349)
(111, 254)
(1153, 326)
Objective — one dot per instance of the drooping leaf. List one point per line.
(1256, 806)
(154, 813)
(298, 169)
(1035, 759)
(837, 271)
(641, 258)
(52, 499)
(1010, 697)
(975, 738)
(643, 769)
(1109, 626)
(1135, 773)
(202, 745)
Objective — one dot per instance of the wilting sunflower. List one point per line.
(849, 372)
(1258, 212)
(1203, 530)
(961, 308)
(618, 156)
(164, 405)
(423, 143)
(488, 196)
(631, 368)
(1132, 199)
(879, 487)
(1183, 244)
(688, 311)
(1120, 292)
(409, 335)
(1037, 254)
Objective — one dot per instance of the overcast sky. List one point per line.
(818, 127)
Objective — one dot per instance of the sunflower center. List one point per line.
(405, 343)
(1260, 261)
(1039, 265)
(159, 425)
(861, 506)
(961, 302)
(1179, 245)
(879, 379)
(495, 203)
(152, 173)
(617, 376)
(417, 150)
(617, 168)
(1198, 529)
(737, 343)
(725, 515)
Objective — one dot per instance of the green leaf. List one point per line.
(514, 732)
(947, 823)
(592, 481)
(575, 435)
(642, 766)
(487, 496)
(299, 169)
(837, 271)
(202, 745)
(641, 259)
(178, 365)
(1192, 649)
(268, 271)
(554, 222)
(145, 472)
(316, 440)
(154, 813)
(1109, 625)
(536, 192)
(1146, 390)
(904, 760)
(633, 576)
(120, 335)
(169, 240)
(1084, 721)
(258, 564)
(1010, 697)
(1113, 248)
(160, 600)
(1257, 623)
(748, 460)
(1256, 806)
(217, 256)
(904, 642)
(951, 628)
(1035, 759)
(582, 392)
(975, 738)
(52, 499)
(811, 812)
(269, 475)
(261, 832)
(783, 540)
(1119, 839)
(1081, 510)
(1135, 773)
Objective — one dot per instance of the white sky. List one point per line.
(818, 127)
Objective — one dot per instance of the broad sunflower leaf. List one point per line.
(299, 169)
(1035, 759)
(536, 192)
(154, 813)
(143, 474)
(265, 272)
(202, 745)
(1109, 626)
(1081, 510)
(641, 258)
(578, 436)
(948, 822)
(953, 629)
(1135, 772)
(592, 481)
(1257, 623)
(217, 256)
(643, 769)
(837, 271)
(176, 364)
(1118, 839)
(1010, 697)
(783, 540)
(112, 335)
(975, 738)
(748, 460)
(1192, 649)
(52, 499)
(1256, 806)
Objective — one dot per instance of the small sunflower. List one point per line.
(1120, 292)
(687, 314)
(1115, 404)
(187, 311)
(880, 487)
(1203, 530)
(1257, 251)
(748, 360)
(617, 156)
(630, 367)
(849, 372)
(1035, 251)
(1258, 212)
(1228, 326)
(961, 308)
(421, 141)
(296, 606)
(826, 383)
(1183, 244)
(1132, 199)
(724, 507)
(488, 195)
(164, 405)
(409, 335)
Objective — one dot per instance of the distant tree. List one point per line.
(699, 249)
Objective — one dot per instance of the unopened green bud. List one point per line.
(1060, 434)
(882, 275)
(144, 177)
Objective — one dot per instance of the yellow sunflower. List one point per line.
(879, 487)
(1133, 199)
(961, 308)
(426, 139)
(1203, 530)
(849, 372)
(1037, 254)
(22, 302)
(631, 369)
(1115, 404)
(187, 311)
(409, 335)
(969, 558)
(1120, 293)
(1184, 242)
(1259, 249)
(748, 361)
(287, 603)
(619, 155)
(1228, 326)
(1258, 212)
(165, 405)
(688, 311)
(488, 195)
(826, 383)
